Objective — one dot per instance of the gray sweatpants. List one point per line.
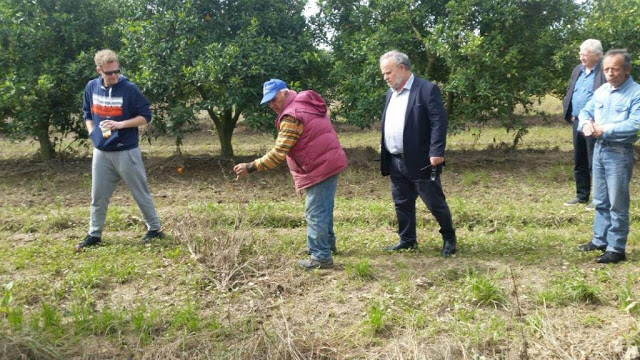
(107, 169)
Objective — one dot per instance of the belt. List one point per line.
(614, 144)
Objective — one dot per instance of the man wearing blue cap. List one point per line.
(309, 143)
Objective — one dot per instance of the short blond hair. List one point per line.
(105, 56)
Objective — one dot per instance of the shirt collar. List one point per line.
(584, 70)
(407, 85)
(624, 85)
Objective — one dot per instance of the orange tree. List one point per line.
(213, 56)
(488, 56)
(46, 56)
(616, 23)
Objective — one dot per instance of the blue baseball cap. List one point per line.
(271, 88)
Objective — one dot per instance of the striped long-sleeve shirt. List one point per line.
(288, 135)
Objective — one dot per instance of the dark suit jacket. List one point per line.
(599, 80)
(425, 129)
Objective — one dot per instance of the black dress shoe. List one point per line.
(448, 247)
(447, 252)
(591, 247)
(610, 257)
(402, 245)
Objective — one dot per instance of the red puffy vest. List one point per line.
(317, 155)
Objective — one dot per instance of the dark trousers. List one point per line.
(582, 160)
(405, 192)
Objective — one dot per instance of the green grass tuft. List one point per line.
(361, 270)
(572, 287)
(484, 291)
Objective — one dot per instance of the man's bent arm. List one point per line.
(623, 130)
(288, 135)
(586, 114)
(438, 122)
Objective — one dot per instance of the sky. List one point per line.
(311, 8)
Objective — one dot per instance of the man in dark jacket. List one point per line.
(414, 131)
(585, 79)
(113, 108)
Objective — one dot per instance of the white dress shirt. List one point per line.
(394, 118)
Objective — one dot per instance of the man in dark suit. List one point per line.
(414, 131)
(585, 79)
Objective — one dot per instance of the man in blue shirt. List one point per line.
(586, 78)
(612, 117)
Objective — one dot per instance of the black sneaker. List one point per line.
(150, 235)
(610, 257)
(401, 245)
(88, 241)
(591, 247)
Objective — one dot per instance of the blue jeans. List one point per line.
(612, 168)
(319, 214)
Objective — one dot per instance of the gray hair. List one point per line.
(593, 46)
(625, 55)
(397, 57)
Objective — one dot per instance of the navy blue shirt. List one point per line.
(119, 102)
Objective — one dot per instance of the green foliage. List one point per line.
(615, 23)
(213, 56)
(499, 56)
(362, 31)
(489, 56)
(46, 50)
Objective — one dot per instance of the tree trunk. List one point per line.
(224, 123)
(450, 103)
(226, 149)
(47, 151)
(431, 59)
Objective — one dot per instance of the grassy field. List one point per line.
(223, 285)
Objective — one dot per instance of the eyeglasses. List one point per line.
(434, 172)
(108, 73)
